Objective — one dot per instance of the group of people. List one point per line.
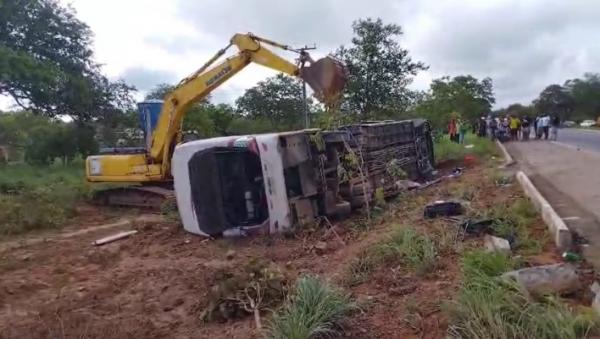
(508, 128)
(457, 129)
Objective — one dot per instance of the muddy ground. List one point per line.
(156, 283)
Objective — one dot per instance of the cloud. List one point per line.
(522, 45)
(145, 79)
(326, 23)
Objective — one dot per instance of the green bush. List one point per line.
(39, 197)
(315, 310)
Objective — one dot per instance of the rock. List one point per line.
(496, 244)
(320, 247)
(546, 279)
(230, 254)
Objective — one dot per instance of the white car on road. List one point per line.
(587, 123)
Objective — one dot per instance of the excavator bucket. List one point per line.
(327, 77)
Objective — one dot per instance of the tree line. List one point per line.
(47, 67)
(577, 99)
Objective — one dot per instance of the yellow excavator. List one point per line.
(148, 168)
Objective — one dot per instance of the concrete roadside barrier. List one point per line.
(557, 227)
(508, 159)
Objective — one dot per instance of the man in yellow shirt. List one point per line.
(514, 124)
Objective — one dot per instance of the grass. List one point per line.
(405, 245)
(445, 150)
(39, 197)
(490, 307)
(515, 220)
(415, 250)
(314, 310)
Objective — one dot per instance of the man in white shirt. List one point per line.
(545, 125)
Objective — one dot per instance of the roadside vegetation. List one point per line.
(512, 221)
(446, 150)
(404, 246)
(488, 306)
(39, 197)
(314, 310)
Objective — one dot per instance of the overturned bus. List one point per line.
(271, 183)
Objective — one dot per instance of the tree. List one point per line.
(203, 118)
(463, 94)
(379, 70)
(209, 120)
(160, 91)
(278, 100)
(46, 62)
(520, 110)
(586, 96)
(555, 100)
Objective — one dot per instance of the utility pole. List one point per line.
(304, 57)
(305, 106)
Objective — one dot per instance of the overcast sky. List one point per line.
(523, 45)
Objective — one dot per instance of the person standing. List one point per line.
(452, 130)
(554, 124)
(482, 127)
(493, 126)
(525, 128)
(463, 128)
(545, 121)
(539, 129)
(514, 127)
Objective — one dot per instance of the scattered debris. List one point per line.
(546, 279)
(470, 160)
(238, 294)
(407, 185)
(114, 237)
(430, 183)
(469, 146)
(443, 208)
(456, 172)
(479, 227)
(496, 244)
(331, 229)
(571, 256)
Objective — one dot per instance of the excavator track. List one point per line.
(151, 197)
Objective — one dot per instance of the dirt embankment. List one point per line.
(156, 283)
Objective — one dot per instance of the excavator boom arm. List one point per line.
(201, 83)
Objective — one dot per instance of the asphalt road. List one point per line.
(585, 139)
(567, 177)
